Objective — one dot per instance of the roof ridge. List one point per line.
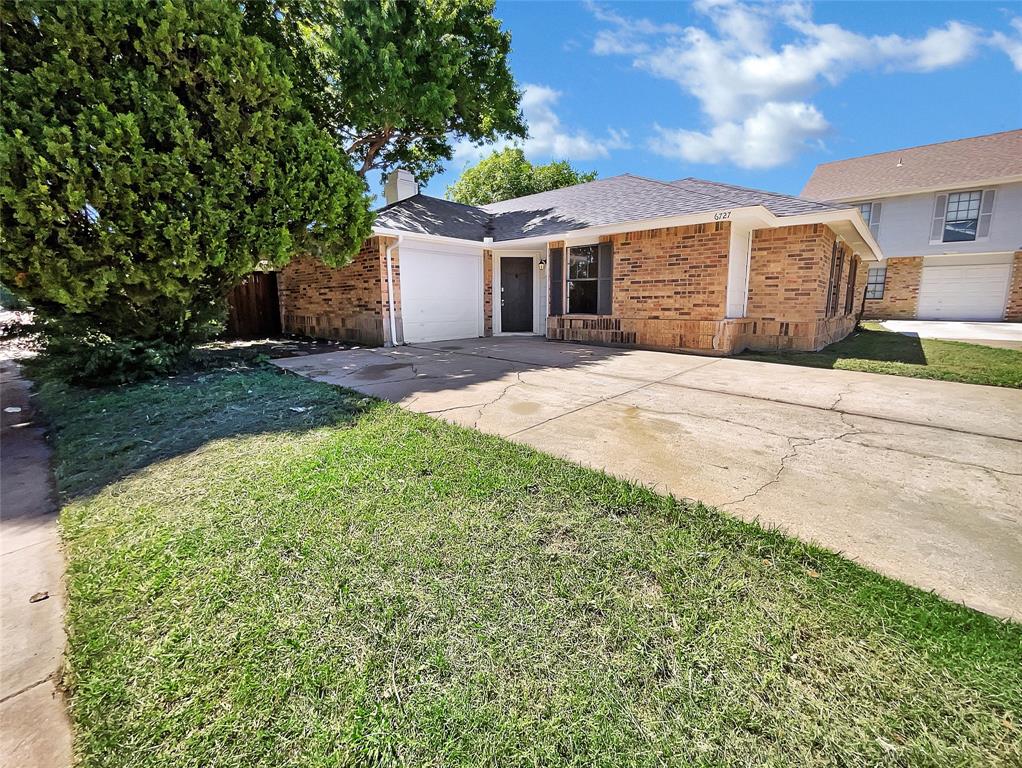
(431, 197)
(758, 191)
(922, 146)
(548, 191)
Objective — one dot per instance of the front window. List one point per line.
(583, 279)
(875, 279)
(866, 209)
(962, 217)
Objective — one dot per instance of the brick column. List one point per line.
(1013, 310)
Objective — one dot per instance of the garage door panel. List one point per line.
(973, 292)
(441, 294)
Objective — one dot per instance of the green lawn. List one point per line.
(352, 584)
(875, 350)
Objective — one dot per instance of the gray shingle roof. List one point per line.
(614, 200)
(947, 165)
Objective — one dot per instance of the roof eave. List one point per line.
(855, 231)
(866, 196)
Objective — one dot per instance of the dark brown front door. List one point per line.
(516, 295)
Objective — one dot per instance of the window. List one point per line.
(866, 209)
(962, 218)
(584, 280)
(875, 279)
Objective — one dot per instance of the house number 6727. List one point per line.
(722, 216)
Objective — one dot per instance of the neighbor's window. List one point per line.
(962, 218)
(875, 279)
(583, 279)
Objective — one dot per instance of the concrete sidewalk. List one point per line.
(918, 479)
(34, 728)
(1003, 335)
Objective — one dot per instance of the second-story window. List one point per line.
(871, 213)
(962, 217)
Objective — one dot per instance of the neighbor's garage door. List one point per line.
(973, 292)
(441, 292)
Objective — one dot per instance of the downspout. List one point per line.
(390, 289)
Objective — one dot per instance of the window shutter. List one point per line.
(555, 266)
(939, 211)
(606, 281)
(874, 220)
(986, 212)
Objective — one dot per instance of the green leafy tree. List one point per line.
(398, 81)
(508, 174)
(152, 154)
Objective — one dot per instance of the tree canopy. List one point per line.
(398, 81)
(152, 154)
(508, 174)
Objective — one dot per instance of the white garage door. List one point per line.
(973, 292)
(441, 292)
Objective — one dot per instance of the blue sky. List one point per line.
(755, 94)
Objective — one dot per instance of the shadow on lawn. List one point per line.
(108, 434)
(861, 344)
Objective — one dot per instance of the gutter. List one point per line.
(753, 214)
(390, 289)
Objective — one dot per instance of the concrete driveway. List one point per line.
(921, 480)
(1006, 335)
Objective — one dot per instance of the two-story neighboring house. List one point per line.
(948, 217)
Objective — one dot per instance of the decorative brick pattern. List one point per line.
(488, 293)
(346, 303)
(901, 290)
(1013, 310)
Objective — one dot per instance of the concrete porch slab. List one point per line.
(917, 479)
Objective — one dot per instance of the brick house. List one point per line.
(690, 265)
(949, 219)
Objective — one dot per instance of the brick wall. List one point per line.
(346, 303)
(901, 290)
(1013, 310)
(789, 273)
(670, 289)
(677, 273)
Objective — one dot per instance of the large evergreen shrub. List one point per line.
(152, 153)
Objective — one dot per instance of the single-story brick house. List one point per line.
(690, 265)
(949, 219)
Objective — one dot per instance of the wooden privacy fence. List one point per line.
(253, 307)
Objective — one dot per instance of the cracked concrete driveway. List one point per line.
(921, 480)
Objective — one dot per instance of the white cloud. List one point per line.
(772, 135)
(1011, 45)
(754, 93)
(548, 137)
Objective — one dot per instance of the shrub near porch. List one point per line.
(268, 571)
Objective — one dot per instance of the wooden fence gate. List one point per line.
(253, 307)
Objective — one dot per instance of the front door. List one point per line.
(516, 295)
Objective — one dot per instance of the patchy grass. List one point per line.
(876, 350)
(352, 584)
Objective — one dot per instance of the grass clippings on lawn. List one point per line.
(266, 571)
(875, 350)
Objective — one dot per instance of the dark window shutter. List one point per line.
(604, 299)
(555, 266)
